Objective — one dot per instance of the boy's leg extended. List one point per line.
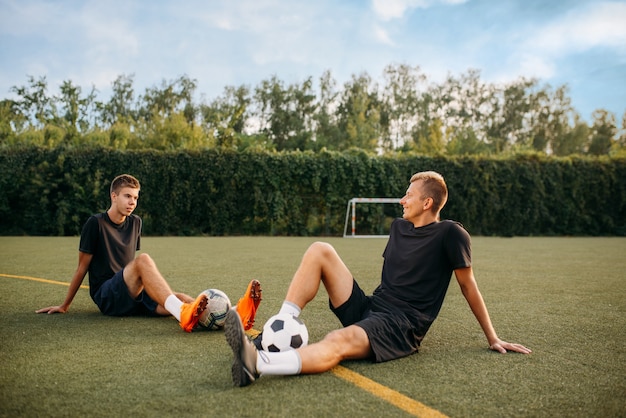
(347, 343)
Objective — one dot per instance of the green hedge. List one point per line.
(52, 192)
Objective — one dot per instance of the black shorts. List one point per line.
(113, 299)
(391, 334)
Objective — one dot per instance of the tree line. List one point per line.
(405, 113)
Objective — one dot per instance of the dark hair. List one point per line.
(124, 180)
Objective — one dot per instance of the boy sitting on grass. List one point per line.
(122, 284)
(420, 257)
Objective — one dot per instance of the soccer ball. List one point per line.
(214, 315)
(284, 332)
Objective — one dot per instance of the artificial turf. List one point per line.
(563, 297)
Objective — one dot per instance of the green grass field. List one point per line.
(563, 297)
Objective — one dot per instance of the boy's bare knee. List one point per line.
(336, 337)
(321, 249)
(349, 343)
(143, 261)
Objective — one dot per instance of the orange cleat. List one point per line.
(248, 304)
(190, 312)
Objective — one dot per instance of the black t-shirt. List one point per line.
(418, 264)
(113, 246)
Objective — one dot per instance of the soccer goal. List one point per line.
(351, 214)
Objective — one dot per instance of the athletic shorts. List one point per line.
(391, 334)
(113, 299)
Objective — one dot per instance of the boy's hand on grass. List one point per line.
(502, 347)
(52, 309)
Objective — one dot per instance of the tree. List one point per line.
(603, 132)
(325, 118)
(11, 121)
(225, 118)
(550, 116)
(120, 107)
(506, 123)
(75, 110)
(34, 102)
(433, 143)
(285, 115)
(173, 96)
(402, 108)
(359, 114)
(574, 141)
(465, 104)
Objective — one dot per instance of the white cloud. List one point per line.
(394, 9)
(382, 36)
(598, 25)
(25, 18)
(546, 51)
(387, 10)
(536, 66)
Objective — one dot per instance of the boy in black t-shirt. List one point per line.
(122, 284)
(420, 257)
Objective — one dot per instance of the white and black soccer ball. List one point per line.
(284, 332)
(214, 315)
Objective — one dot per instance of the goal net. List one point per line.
(375, 216)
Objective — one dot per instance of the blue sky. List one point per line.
(223, 43)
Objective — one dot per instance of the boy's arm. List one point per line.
(84, 260)
(469, 288)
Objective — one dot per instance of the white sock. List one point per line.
(290, 308)
(282, 363)
(173, 305)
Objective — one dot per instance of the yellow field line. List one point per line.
(397, 399)
(36, 279)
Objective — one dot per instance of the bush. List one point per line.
(219, 192)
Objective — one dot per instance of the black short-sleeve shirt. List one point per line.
(418, 264)
(113, 246)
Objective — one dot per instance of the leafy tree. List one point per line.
(359, 114)
(75, 110)
(402, 108)
(506, 123)
(326, 131)
(225, 118)
(550, 116)
(120, 107)
(573, 141)
(34, 102)
(285, 115)
(461, 116)
(173, 96)
(619, 147)
(603, 131)
(466, 142)
(11, 121)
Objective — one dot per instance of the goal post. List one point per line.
(351, 214)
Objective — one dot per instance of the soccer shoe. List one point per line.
(190, 312)
(256, 340)
(244, 369)
(248, 304)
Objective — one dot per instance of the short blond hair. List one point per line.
(434, 186)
